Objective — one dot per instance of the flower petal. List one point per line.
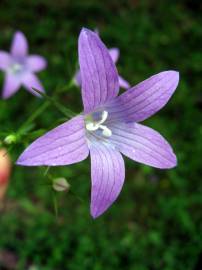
(114, 53)
(66, 144)
(143, 145)
(107, 176)
(5, 60)
(98, 73)
(11, 85)
(123, 83)
(30, 81)
(146, 98)
(36, 63)
(19, 47)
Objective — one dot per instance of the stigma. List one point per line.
(96, 122)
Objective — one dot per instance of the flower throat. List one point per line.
(95, 122)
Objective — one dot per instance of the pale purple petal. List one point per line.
(143, 145)
(114, 53)
(36, 63)
(19, 47)
(123, 83)
(5, 60)
(11, 85)
(146, 98)
(98, 73)
(30, 81)
(66, 144)
(107, 176)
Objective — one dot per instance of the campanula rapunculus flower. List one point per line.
(114, 53)
(109, 125)
(19, 67)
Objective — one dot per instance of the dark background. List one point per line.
(156, 223)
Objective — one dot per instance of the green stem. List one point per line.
(49, 100)
(68, 113)
(33, 116)
(66, 87)
(55, 204)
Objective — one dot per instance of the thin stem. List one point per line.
(49, 100)
(33, 116)
(55, 204)
(68, 113)
(66, 87)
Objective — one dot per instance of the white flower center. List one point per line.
(15, 68)
(93, 125)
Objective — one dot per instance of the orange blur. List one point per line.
(5, 170)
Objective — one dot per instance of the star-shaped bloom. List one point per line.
(109, 125)
(114, 53)
(19, 67)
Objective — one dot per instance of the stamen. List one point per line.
(104, 117)
(95, 125)
(91, 126)
(105, 131)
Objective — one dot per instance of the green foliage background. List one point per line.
(156, 223)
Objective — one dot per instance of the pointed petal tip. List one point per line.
(19, 45)
(28, 164)
(18, 32)
(114, 53)
(177, 74)
(172, 163)
(175, 77)
(86, 31)
(123, 83)
(36, 63)
(96, 214)
(174, 73)
(18, 162)
(21, 162)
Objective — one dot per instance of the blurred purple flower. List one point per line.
(114, 53)
(19, 67)
(108, 126)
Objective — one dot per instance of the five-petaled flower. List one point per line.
(19, 67)
(108, 126)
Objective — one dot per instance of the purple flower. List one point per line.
(19, 67)
(108, 126)
(114, 53)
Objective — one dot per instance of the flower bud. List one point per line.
(10, 139)
(61, 184)
(5, 169)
